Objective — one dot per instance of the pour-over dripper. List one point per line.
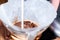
(39, 12)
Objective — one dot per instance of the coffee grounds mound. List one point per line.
(27, 24)
(3, 1)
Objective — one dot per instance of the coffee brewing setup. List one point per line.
(26, 22)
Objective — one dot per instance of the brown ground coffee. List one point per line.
(3, 1)
(27, 24)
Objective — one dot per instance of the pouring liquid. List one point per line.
(22, 12)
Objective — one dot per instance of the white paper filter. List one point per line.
(41, 12)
